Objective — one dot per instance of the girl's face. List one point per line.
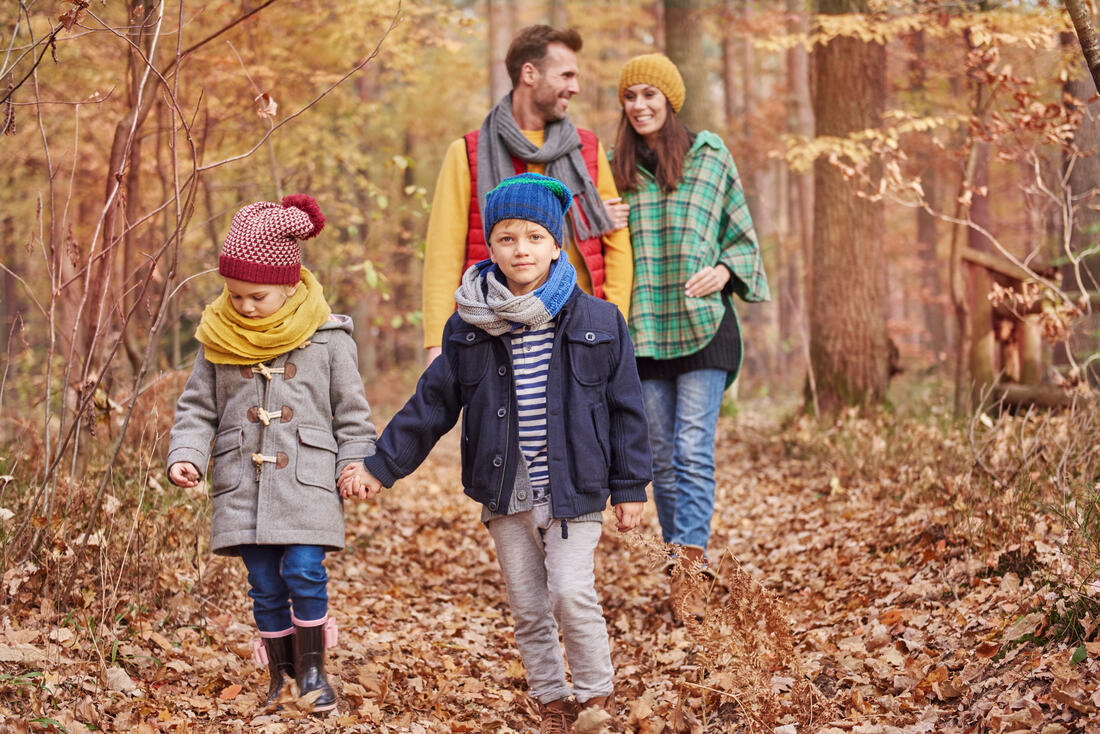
(646, 107)
(257, 300)
(524, 252)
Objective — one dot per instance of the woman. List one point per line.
(694, 245)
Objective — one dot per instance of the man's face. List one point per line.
(555, 83)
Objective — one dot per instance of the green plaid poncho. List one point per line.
(702, 223)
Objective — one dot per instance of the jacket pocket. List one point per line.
(601, 423)
(589, 450)
(225, 474)
(316, 464)
(589, 355)
(472, 351)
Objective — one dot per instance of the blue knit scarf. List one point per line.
(484, 300)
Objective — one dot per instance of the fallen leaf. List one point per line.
(118, 680)
(230, 692)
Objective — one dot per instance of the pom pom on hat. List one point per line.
(658, 71)
(262, 243)
(531, 197)
(309, 205)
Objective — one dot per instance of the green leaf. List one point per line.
(1078, 655)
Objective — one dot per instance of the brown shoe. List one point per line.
(601, 703)
(691, 579)
(557, 716)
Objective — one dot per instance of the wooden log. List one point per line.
(1047, 397)
(995, 264)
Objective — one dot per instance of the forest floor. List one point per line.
(858, 592)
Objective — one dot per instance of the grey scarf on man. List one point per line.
(500, 138)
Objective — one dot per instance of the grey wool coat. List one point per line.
(277, 436)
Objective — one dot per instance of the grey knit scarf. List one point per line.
(500, 138)
(483, 299)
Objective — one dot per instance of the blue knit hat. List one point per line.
(531, 197)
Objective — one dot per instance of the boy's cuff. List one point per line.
(377, 466)
(632, 492)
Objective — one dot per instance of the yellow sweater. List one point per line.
(445, 248)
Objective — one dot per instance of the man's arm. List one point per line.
(618, 257)
(445, 246)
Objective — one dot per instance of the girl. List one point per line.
(276, 402)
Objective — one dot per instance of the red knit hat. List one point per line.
(262, 244)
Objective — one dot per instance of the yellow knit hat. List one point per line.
(657, 70)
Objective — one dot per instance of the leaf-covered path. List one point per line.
(880, 614)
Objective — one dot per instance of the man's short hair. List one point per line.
(530, 46)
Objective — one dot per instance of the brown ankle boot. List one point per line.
(691, 579)
(557, 716)
(599, 703)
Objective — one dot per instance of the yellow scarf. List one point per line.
(230, 338)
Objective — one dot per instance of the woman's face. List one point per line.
(646, 108)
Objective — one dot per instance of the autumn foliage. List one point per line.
(925, 561)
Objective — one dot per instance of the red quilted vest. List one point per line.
(591, 249)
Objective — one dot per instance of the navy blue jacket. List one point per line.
(597, 436)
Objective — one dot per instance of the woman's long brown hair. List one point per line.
(671, 147)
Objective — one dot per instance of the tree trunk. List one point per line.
(684, 44)
(848, 343)
(8, 287)
(800, 121)
(501, 20)
(931, 290)
(558, 14)
(1086, 35)
(1083, 168)
(983, 342)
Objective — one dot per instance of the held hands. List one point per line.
(356, 481)
(618, 210)
(628, 515)
(183, 474)
(707, 281)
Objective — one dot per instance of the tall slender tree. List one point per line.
(501, 29)
(848, 342)
(684, 44)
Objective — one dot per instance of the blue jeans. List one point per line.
(683, 418)
(282, 575)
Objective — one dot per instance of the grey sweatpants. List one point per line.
(551, 585)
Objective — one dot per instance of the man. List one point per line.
(528, 131)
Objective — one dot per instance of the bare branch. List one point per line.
(315, 100)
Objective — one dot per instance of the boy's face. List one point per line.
(257, 300)
(524, 252)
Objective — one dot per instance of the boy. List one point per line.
(553, 425)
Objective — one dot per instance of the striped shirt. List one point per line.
(531, 349)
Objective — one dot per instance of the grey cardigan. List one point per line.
(278, 435)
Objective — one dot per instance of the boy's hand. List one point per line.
(356, 480)
(183, 474)
(629, 515)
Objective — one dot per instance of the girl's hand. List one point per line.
(356, 480)
(628, 515)
(183, 474)
(707, 281)
(618, 210)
